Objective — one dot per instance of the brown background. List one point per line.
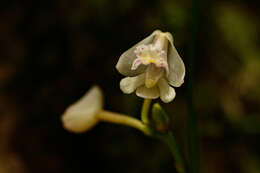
(52, 51)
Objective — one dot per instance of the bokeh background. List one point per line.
(53, 51)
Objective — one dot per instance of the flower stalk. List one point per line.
(145, 111)
(116, 118)
(171, 142)
(194, 153)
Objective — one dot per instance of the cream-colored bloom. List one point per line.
(152, 66)
(83, 114)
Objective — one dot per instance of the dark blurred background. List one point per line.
(53, 51)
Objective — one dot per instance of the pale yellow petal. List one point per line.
(167, 93)
(129, 84)
(175, 63)
(148, 93)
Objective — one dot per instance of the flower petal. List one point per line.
(129, 84)
(148, 93)
(126, 60)
(176, 65)
(81, 116)
(167, 93)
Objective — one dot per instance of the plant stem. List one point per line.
(145, 111)
(113, 117)
(192, 124)
(171, 142)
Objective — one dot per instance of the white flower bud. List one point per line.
(82, 115)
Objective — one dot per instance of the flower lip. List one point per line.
(82, 115)
(150, 54)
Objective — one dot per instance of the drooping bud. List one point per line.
(159, 118)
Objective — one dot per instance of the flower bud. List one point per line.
(83, 114)
(160, 120)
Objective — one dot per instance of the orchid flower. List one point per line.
(152, 67)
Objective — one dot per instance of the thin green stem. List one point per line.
(145, 111)
(194, 157)
(117, 118)
(179, 160)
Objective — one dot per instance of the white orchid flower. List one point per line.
(152, 66)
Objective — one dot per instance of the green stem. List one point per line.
(192, 124)
(117, 118)
(171, 142)
(145, 111)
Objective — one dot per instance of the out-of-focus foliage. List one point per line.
(53, 51)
